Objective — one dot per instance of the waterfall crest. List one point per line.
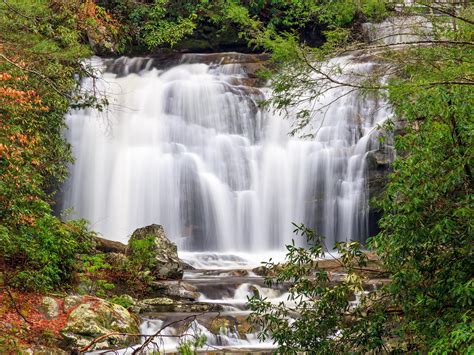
(189, 148)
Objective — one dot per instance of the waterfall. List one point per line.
(185, 145)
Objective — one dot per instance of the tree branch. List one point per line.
(140, 349)
(445, 12)
(46, 79)
(12, 300)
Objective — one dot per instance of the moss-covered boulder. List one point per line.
(96, 317)
(150, 246)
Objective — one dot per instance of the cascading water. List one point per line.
(184, 144)
(188, 147)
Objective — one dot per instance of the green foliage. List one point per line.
(426, 230)
(160, 29)
(9, 344)
(42, 256)
(167, 22)
(122, 300)
(142, 257)
(323, 318)
(94, 263)
(190, 346)
(41, 53)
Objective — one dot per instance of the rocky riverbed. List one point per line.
(201, 295)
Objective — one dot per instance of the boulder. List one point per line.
(49, 307)
(72, 301)
(167, 264)
(97, 317)
(175, 290)
(109, 246)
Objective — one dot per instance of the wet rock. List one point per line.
(186, 266)
(219, 324)
(175, 290)
(378, 170)
(49, 307)
(243, 325)
(261, 270)
(168, 265)
(252, 82)
(251, 69)
(329, 265)
(266, 271)
(230, 273)
(237, 273)
(165, 304)
(98, 317)
(109, 246)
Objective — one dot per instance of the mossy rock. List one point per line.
(165, 263)
(98, 317)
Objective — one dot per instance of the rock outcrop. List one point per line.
(167, 264)
(109, 246)
(95, 317)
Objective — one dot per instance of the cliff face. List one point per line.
(378, 171)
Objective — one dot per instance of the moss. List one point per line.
(219, 324)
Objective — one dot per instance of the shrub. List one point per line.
(43, 256)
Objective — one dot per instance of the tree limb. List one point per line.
(12, 300)
(46, 79)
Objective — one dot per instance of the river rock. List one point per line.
(218, 324)
(165, 304)
(175, 290)
(97, 317)
(168, 265)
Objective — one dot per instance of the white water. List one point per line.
(188, 148)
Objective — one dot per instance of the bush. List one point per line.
(42, 49)
(142, 256)
(44, 256)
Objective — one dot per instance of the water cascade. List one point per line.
(184, 144)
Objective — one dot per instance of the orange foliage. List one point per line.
(29, 305)
(11, 95)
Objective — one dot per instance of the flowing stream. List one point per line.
(185, 144)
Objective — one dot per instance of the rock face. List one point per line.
(97, 317)
(167, 264)
(378, 170)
